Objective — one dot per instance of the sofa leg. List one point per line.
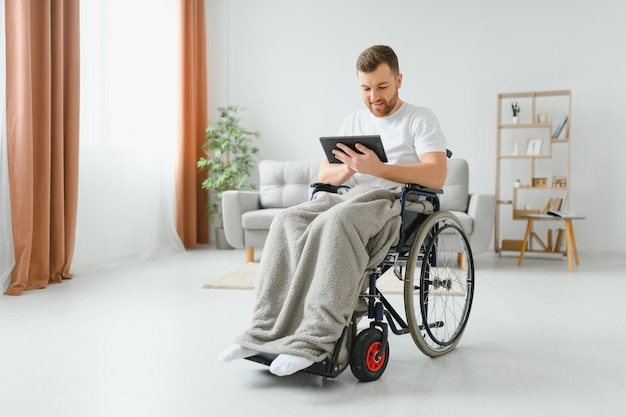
(249, 254)
(461, 260)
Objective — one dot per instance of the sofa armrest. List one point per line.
(234, 204)
(482, 209)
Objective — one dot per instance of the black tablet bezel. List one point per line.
(373, 142)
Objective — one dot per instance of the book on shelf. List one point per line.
(559, 128)
(559, 240)
(554, 205)
(547, 206)
(564, 201)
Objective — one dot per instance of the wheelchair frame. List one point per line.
(419, 241)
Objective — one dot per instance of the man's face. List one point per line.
(379, 90)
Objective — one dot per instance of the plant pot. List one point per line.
(515, 120)
(220, 239)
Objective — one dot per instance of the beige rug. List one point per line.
(244, 276)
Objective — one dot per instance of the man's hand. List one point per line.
(366, 162)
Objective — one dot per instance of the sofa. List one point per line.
(248, 214)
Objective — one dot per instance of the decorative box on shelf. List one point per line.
(540, 182)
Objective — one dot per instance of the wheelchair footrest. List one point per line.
(328, 368)
(324, 368)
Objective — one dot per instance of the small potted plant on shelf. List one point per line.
(516, 109)
(230, 157)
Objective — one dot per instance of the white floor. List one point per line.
(143, 341)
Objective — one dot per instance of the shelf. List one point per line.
(525, 125)
(541, 169)
(553, 93)
(541, 188)
(531, 94)
(536, 251)
(524, 156)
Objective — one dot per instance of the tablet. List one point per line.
(372, 141)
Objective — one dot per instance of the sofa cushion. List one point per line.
(456, 189)
(259, 219)
(285, 183)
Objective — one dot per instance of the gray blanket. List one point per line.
(313, 268)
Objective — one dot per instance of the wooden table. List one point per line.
(570, 240)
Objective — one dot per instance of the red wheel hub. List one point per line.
(372, 364)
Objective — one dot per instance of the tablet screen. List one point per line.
(373, 142)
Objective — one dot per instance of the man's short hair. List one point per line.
(375, 55)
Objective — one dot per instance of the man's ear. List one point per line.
(399, 80)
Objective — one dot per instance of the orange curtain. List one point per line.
(42, 137)
(191, 199)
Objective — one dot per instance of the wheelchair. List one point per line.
(434, 259)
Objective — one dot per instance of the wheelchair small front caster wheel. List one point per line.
(367, 362)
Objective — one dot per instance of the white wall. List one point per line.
(291, 63)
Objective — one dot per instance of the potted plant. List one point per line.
(230, 157)
(516, 111)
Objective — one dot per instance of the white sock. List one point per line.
(286, 364)
(236, 351)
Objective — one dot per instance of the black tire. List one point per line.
(363, 357)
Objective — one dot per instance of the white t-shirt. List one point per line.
(406, 134)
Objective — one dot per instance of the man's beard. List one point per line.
(386, 109)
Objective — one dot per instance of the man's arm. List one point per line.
(430, 172)
(334, 174)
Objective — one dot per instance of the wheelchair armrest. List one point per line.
(415, 189)
(420, 188)
(428, 194)
(320, 186)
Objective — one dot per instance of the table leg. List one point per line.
(568, 243)
(525, 242)
(573, 237)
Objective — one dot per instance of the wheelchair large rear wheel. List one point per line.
(439, 284)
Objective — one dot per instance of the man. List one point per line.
(318, 254)
(380, 80)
